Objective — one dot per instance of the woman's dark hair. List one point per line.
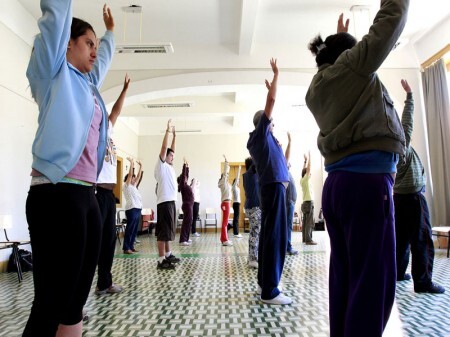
(126, 177)
(248, 163)
(303, 172)
(329, 50)
(79, 28)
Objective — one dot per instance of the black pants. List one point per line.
(107, 205)
(195, 210)
(64, 224)
(413, 235)
(236, 206)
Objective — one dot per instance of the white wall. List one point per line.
(434, 41)
(18, 114)
(204, 154)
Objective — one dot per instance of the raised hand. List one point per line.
(126, 82)
(405, 86)
(341, 28)
(273, 64)
(108, 18)
(169, 125)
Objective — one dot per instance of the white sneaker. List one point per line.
(185, 243)
(253, 264)
(259, 290)
(227, 243)
(238, 236)
(190, 241)
(196, 234)
(280, 300)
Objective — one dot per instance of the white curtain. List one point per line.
(438, 124)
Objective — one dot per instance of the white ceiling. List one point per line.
(221, 55)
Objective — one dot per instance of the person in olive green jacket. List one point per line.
(361, 139)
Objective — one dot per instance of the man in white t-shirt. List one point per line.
(166, 196)
(107, 203)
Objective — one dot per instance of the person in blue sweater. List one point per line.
(273, 176)
(66, 69)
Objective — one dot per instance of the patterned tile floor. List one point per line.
(211, 293)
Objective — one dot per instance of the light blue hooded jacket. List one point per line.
(64, 95)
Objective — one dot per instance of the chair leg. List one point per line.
(18, 266)
(118, 236)
(448, 245)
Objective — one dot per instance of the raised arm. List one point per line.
(226, 170)
(172, 146)
(368, 55)
(105, 50)
(287, 153)
(272, 87)
(165, 143)
(238, 177)
(50, 46)
(408, 113)
(117, 107)
(139, 174)
(307, 163)
(130, 171)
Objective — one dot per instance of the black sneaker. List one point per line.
(433, 288)
(165, 264)
(405, 277)
(173, 259)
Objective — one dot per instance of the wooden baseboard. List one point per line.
(3, 266)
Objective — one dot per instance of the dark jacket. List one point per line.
(350, 104)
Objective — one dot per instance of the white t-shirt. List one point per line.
(108, 174)
(167, 182)
(132, 197)
(196, 191)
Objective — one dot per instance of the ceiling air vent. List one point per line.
(160, 48)
(168, 105)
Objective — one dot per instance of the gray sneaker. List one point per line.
(114, 289)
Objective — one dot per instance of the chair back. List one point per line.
(209, 212)
(121, 217)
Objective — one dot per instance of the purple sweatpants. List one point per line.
(359, 213)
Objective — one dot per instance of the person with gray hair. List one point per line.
(272, 170)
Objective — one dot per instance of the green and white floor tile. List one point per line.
(212, 293)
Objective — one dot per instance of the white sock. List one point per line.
(161, 259)
(168, 254)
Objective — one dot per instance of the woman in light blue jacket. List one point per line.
(65, 72)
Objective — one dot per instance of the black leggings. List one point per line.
(195, 210)
(64, 224)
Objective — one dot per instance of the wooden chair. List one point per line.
(120, 224)
(442, 231)
(180, 218)
(210, 218)
(148, 220)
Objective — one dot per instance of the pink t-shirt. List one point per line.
(86, 168)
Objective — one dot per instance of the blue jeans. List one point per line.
(272, 239)
(290, 219)
(133, 217)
